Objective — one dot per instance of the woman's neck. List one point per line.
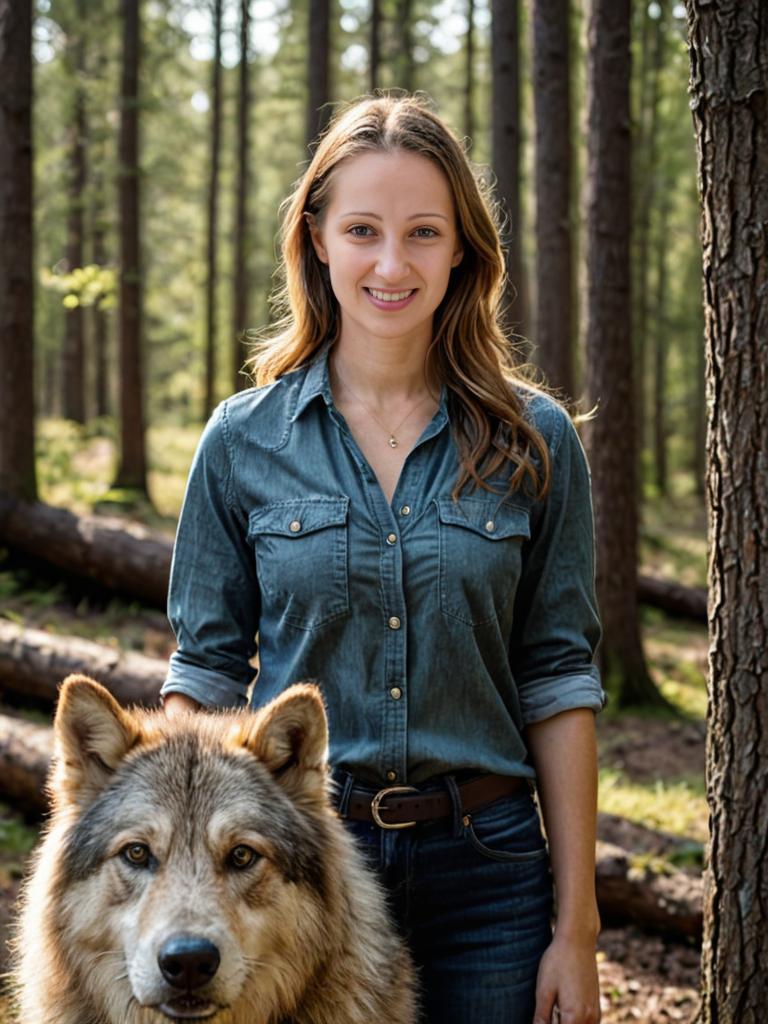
(383, 372)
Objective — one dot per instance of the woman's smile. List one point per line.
(390, 301)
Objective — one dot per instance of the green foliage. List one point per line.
(84, 286)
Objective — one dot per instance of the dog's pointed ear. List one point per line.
(290, 736)
(92, 735)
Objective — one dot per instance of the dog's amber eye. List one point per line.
(242, 856)
(137, 854)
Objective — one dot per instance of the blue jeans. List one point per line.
(474, 897)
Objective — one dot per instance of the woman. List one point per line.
(401, 518)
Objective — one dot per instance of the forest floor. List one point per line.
(651, 765)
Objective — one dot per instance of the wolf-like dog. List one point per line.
(194, 869)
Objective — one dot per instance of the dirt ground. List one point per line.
(651, 979)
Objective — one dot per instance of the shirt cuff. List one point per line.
(547, 697)
(212, 689)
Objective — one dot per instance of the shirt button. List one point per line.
(396, 693)
(490, 526)
(391, 776)
(392, 539)
(295, 526)
(405, 510)
(394, 622)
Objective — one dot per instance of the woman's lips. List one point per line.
(396, 299)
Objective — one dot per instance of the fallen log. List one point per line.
(115, 554)
(663, 900)
(673, 598)
(25, 752)
(33, 664)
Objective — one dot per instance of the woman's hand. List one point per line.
(179, 704)
(568, 979)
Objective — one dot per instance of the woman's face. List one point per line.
(389, 239)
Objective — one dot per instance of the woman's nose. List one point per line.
(392, 265)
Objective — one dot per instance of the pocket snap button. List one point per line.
(295, 526)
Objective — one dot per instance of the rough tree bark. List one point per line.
(551, 94)
(132, 470)
(729, 98)
(610, 435)
(17, 397)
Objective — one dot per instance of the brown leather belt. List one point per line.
(404, 806)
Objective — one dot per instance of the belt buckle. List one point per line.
(376, 804)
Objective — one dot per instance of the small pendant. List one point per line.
(393, 442)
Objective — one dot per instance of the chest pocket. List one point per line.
(480, 557)
(301, 559)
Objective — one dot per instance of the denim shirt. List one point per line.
(436, 629)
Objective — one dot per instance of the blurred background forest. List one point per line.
(229, 93)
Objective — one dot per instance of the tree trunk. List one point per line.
(506, 147)
(33, 664)
(374, 59)
(242, 226)
(469, 72)
(610, 435)
(132, 470)
(99, 315)
(645, 169)
(728, 46)
(661, 344)
(213, 218)
(126, 558)
(318, 68)
(73, 375)
(551, 93)
(405, 64)
(17, 395)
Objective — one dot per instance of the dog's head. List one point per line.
(193, 882)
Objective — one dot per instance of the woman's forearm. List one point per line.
(564, 753)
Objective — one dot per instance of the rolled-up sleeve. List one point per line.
(556, 624)
(213, 599)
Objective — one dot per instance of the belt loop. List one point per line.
(345, 783)
(453, 790)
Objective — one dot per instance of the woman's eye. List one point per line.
(136, 854)
(425, 233)
(360, 231)
(242, 857)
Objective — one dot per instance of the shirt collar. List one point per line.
(317, 383)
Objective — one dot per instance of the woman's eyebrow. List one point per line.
(375, 216)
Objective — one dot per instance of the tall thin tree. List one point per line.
(728, 47)
(213, 217)
(132, 468)
(610, 435)
(553, 169)
(17, 404)
(73, 353)
(318, 68)
(469, 72)
(506, 147)
(406, 68)
(374, 58)
(242, 224)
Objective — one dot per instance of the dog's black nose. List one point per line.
(188, 962)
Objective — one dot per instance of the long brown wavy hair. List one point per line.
(470, 352)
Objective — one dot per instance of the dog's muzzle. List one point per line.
(188, 962)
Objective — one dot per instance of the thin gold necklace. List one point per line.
(392, 440)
